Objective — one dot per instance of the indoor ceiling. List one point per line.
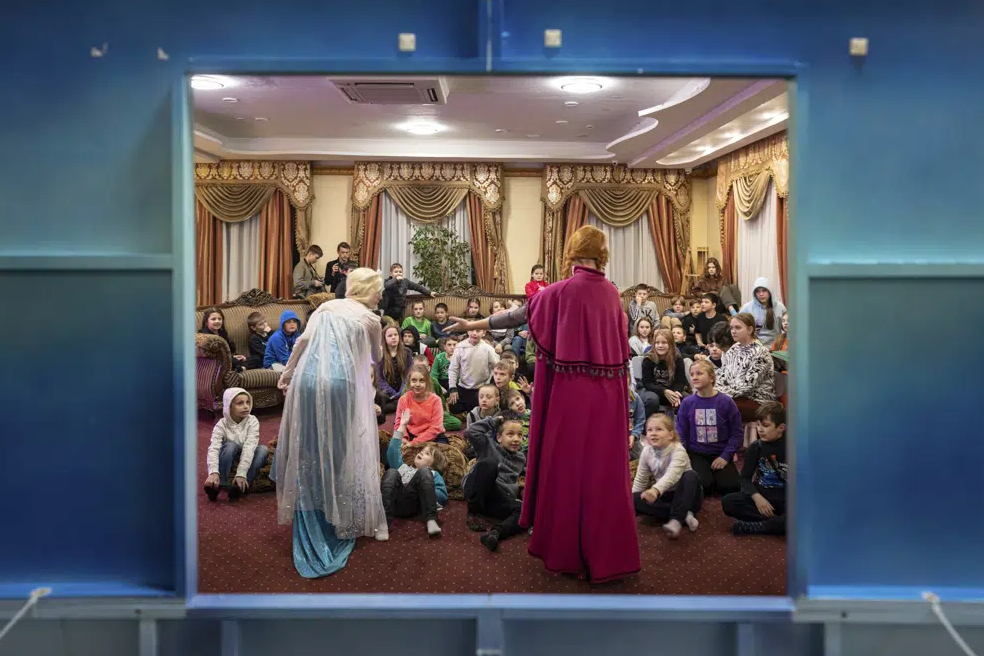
(643, 122)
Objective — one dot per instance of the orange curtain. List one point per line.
(729, 240)
(208, 257)
(276, 271)
(782, 241)
(575, 217)
(669, 257)
(374, 230)
(482, 259)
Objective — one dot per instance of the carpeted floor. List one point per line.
(242, 549)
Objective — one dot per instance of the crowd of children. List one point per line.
(706, 373)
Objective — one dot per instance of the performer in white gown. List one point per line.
(327, 458)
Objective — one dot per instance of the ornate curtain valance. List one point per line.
(617, 195)
(428, 192)
(769, 155)
(236, 190)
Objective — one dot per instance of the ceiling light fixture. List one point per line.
(570, 103)
(422, 129)
(230, 100)
(533, 136)
(561, 122)
(581, 85)
(261, 118)
(208, 83)
(500, 129)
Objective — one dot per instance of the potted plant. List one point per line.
(443, 260)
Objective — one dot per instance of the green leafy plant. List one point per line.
(443, 260)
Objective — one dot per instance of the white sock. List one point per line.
(672, 529)
(433, 528)
(692, 522)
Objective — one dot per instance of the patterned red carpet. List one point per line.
(242, 549)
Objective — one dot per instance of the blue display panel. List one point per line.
(888, 164)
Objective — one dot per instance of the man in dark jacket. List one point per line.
(333, 270)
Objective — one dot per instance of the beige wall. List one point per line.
(331, 213)
(522, 219)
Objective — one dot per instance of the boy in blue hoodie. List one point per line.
(281, 343)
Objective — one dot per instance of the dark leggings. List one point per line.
(720, 481)
(484, 497)
(409, 499)
(741, 507)
(674, 504)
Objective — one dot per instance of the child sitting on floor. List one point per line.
(423, 408)
(514, 402)
(418, 489)
(641, 307)
(442, 361)
(488, 404)
(236, 434)
(470, 368)
(665, 487)
(491, 488)
(411, 339)
(392, 368)
(759, 508)
(709, 424)
(259, 333)
(642, 338)
(678, 308)
(502, 376)
(420, 322)
(281, 343)
(451, 423)
(687, 350)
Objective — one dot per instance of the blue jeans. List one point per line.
(519, 346)
(229, 452)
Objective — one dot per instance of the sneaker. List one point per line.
(748, 528)
(234, 493)
(491, 539)
(212, 491)
(477, 523)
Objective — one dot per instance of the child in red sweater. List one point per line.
(426, 423)
(536, 282)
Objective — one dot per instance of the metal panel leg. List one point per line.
(745, 639)
(832, 643)
(488, 639)
(148, 638)
(230, 638)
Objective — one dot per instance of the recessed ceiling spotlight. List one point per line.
(500, 129)
(561, 122)
(230, 100)
(240, 118)
(582, 136)
(422, 129)
(208, 82)
(581, 85)
(589, 127)
(570, 103)
(533, 136)
(261, 118)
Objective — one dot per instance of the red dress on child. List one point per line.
(578, 494)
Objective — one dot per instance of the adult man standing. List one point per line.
(333, 272)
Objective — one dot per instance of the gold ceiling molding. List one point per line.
(770, 154)
(293, 178)
(332, 170)
(530, 172)
(485, 179)
(560, 182)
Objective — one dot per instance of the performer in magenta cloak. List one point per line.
(578, 494)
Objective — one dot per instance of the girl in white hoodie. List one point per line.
(767, 310)
(665, 487)
(237, 434)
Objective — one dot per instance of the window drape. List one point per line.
(632, 255)
(396, 230)
(241, 269)
(277, 243)
(208, 257)
(757, 248)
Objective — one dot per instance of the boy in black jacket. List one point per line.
(760, 507)
(259, 333)
(395, 293)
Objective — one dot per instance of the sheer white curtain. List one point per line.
(241, 248)
(631, 253)
(397, 229)
(758, 252)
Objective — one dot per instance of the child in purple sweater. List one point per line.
(710, 428)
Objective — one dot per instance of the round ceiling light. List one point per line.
(581, 85)
(570, 103)
(207, 83)
(422, 129)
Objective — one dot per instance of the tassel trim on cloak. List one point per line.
(589, 368)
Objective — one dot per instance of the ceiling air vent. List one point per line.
(397, 91)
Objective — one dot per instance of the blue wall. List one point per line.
(887, 253)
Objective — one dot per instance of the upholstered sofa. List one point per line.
(213, 366)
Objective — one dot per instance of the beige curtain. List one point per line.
(369, 255)
(729, 241)
(427, 203)
(669, 252)
(617, 206)
(208, 257)
(782, 242)
(276, 267)
(750, 193)
(234, 202)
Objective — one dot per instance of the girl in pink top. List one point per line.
(426, 423)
